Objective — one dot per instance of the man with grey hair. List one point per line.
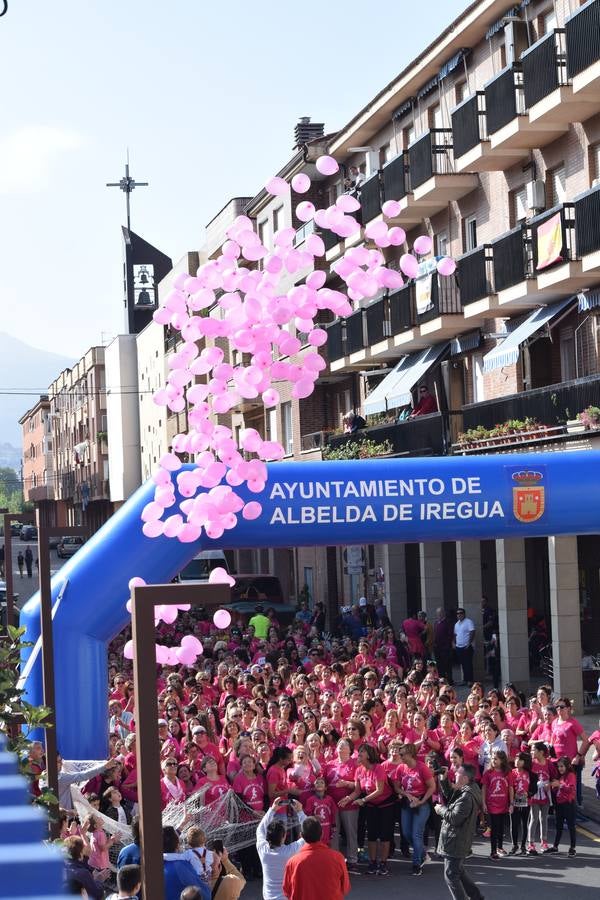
(459, 815)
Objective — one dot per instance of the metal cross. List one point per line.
(127, 185)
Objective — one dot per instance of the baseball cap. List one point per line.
(162, 722)
(362, 601)
(199, 729)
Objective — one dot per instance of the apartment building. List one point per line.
(38, 469)
(77, 399)
(490, 143)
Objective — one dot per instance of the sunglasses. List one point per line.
(561, 707)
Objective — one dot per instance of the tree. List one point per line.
(11, 490)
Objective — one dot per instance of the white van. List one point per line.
(198, 570)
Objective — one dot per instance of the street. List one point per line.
(514, 877)
(25, 587)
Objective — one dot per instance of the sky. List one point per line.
(205, 96)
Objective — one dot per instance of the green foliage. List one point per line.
(358, 449)
(590, 416)
(11, 493)
(17, 717)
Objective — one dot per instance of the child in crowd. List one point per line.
(496, 800)
(520, 784)
(543, 771)
(201, 859)
(565, 786)
(100, 843)
(324, 807)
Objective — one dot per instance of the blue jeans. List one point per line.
(413, 826)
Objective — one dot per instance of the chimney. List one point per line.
(306, 131)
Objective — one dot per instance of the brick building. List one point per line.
(38, 469)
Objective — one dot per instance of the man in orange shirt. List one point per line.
(315, 870)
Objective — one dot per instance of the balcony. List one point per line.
(508, 123)
(433, 179)
(475, 275)
(370, 199)
(582, 31)
(472, 147)
(423, 436)
(587, 230)
(314, 442)
(513, 271)
(438, 306)
(347, 345)
(391, 325)
(555, 262)
(548, 94)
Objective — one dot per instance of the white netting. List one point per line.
(227, 819)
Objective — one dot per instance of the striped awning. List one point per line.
(507, 353)
(395, 389)
(499, 24)
(589, 300)
(453, 62)
(465, 342)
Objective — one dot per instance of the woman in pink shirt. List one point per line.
(415, 784)
(172, 790)
(372, 790)
(566, 732)
(213, 784)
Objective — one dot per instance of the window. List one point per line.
(441, 243)
(556, 186)
(518, 206)
(408, 135)
(277, 218)
(595, 164)
(385, 154)
(286, 428)
(460, 91)
(435, 116)
(272, 424)
(263, 231)
(546, 23)
(477, 383)
(469, 233)
(567, 354)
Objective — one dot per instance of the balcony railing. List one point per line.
(329, 238)
(430, 155)
(336, 340)
(475, 271)
(395, 178)
(567, 250)
(403, 312)
(445, 298)
(316, 440)
(370, 198)
(378, 322)
(504, 98)
(550, 405)
(355, 332)
(303, 232)
(511, 259)
(469, 126)
(544, 67)
(583, 38)
(587, 222)
(422, 436)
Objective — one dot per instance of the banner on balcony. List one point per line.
(549, 242)
(423, 292)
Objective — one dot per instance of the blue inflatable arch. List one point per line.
(304, 504)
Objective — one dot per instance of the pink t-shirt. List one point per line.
(414, 781)
(216, 790)
(277, 777)
(564, 737)
(367, 780)
(99, 856)
(340, 771)
(251, 790)
(496, 791)
(567, 789)
(519, 781)
(325, 810)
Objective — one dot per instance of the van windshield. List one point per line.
(199, 569)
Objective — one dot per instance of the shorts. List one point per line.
(380, 822)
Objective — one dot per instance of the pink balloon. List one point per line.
(277, 186)
(222, 619)
(316, 279)
(347, 203)
(168, 614)
(270, 397)
(152, 511)
(317, 337)
(219, 575)
(409, 265)
(301, 183)
(397, 236)
(252, 510)
(423, 244)
(376, 229)
(136, 581)
(391, 208)
(446, 266)
(315, 245)
(327, 165)
(153, 529)
(189, 640)
(186, 656)
(305, 211)
(129, 607)
(128, 650)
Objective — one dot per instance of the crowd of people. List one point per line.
(362, 732)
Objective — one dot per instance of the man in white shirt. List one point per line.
(464, 637)
(272, 849)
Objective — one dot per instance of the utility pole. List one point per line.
(127, 185)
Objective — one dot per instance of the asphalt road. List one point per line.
(508, 879)
(25, 586)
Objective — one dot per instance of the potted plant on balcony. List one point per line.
(590, 417)
(574, 426)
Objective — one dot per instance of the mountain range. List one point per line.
(25, 373)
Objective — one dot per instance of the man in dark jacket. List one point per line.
(459, 815)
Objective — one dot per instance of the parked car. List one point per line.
(68, 546)
(251, 590)
(199, 569)
(29, 533)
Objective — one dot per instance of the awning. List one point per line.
(452, 63)
(499, 23)
(395, 389)
(507, 353)
(589, 300)
(465, 342)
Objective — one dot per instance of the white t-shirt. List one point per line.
(462, 632)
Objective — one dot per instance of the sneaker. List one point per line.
(363, 856)
(572, 851)
(383, 869)
(544, 846)
(502, 851)
(523, 851)
(487, 833)
(417, 870)
(551, 849)
(353, 869)
(494, 856)
(513, 850)
(531, 851)
(372, 870)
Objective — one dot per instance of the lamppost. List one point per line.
(147, 749)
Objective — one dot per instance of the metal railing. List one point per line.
(303, 232)
(422, 436)
(587, 222)
(475, 274)
(395, 178)
(403, 311)
(582, 31)
(355, 332)
(469, 124)
(316, 440)
(370, 198)
(550, 405)
(511, 258)
(329, 238)
(430, 155)
(336, 340)
(504, 98)
(544, 67)
(378, 321)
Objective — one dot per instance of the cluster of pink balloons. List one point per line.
(190, 648)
